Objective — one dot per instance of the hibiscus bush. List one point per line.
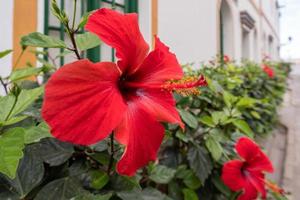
(69, 152)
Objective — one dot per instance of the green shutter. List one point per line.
(93, 54)
(129, 6)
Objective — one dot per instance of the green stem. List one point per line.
(9, 114)
(19, 58)
(111, 160)
(12, 108)
(4, 85)
(75, 49)
(71, 32)
(74, 14)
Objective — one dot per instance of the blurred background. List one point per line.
(290, 29)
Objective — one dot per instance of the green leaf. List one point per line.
(181, 171)
(188, 176)
(84, 19)
(101, 157)
(25, 98)
(214, 148)
(36, 133)
(6, 103)
(99, 179)
(29, 174)
(214, 86)
(183, 136)
(23, 73)
(207, 120)
(189, 194)
(221, 186)
(246, 102)
(58, 13)
(188, 118)
(54, 152)
(13, 120)
(135, 194)
(5, 53)
(7, 194)
(191, 180)
(150, 193)
(277, 196)
(244, 127)
(235, 113)
(62, 54)
(87, 41)
(229, 99)
(255, 114)
(200, 162)
(11, 146)
(174, 190)
(218, 117)
(162, 174)
(124, 182)
(62, 189)
(90, 196)
(37, 39)
(100, 146)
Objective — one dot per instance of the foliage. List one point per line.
(239, 100)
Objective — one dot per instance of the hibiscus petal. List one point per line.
(257, 160)
(257, 180)
(121, 31)
(142, 135)
(160, 65)
(160, 104)
(250, 193)
(81, 101)
(232, 175)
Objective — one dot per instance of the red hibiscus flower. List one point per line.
(226, 59)
(248, 174)
(268, 70)
(84, 101)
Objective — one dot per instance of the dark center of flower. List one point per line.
(244, 170)
(125, 89)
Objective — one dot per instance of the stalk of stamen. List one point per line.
(186, 86)
(275, 188)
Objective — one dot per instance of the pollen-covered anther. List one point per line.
(186, 86)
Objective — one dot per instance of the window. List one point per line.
(226, 30)
(54, 28)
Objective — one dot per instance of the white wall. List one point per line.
(6, 35)
(189, 28)
(145, 19)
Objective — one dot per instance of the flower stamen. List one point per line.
(275, 188)
(186, 86)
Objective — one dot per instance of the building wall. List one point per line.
(191, 28)
(6, 35)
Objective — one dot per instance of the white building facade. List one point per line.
(196, 30)
(200, 29)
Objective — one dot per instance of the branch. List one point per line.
(75, 49)
(4, 86)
